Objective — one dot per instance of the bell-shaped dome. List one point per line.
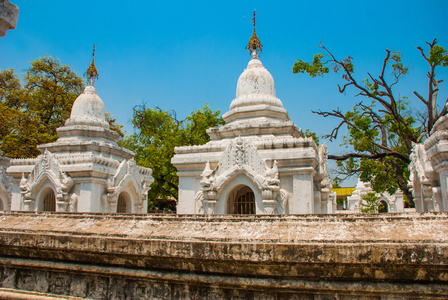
(256, 111)
(255, 86)
(255, 80)
(255, 96)
(88, 109)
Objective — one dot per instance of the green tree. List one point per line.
(382, 130)
(52, 89)
(336, 182)
(370, 204)
(118, 128)
(32, 109)
(309, 133)
(157, 133)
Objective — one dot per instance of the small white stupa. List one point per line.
(84, 170)
(386, 202)
(259, 162)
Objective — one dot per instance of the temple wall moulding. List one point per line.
(134, 180)
(240, 157)
(76, 193)
(46, 169)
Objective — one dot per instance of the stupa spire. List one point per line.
(92, 72)
(254, 45)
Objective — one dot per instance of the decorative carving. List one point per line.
(254, 45)
(422, 179)
(128, 171)
(269, 206)
(88, 158)
(323, 151)
(47, 168)
(73, 203)
(420, 164)
(324, 185)
(240, 157)
(92, 72)
(282, 200)
(198, 199)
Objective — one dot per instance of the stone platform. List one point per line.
(132, 256)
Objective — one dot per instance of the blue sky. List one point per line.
(182, 54)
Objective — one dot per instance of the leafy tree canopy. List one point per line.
(309, 133)
(382, 129)
(32, 108)
(157, 133)
(114, 124)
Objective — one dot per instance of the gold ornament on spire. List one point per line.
(92, 72)
(254, 45)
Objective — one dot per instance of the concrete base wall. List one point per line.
(106, 256)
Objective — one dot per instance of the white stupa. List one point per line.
(84, 170)
(259, 162)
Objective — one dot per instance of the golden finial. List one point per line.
(92, 72)
(254, 43)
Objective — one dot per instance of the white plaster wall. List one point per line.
(317, 203)
(399, 203)
(443, 176)
(197, 188)
(90, 197)
(303, 194)
(16, 198)
(187, 194)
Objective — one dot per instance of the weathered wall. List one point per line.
(215, 257)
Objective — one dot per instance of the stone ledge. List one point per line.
(98, 282)
(14, 294)
(389, 228)
(397, 248)
(416, 263)
(111, 256)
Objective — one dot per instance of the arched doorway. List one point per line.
(1, 204)
(49, 200)
(382, 208)
(242, 201)
(124, 203)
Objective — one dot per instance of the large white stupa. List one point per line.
(84, 170)
(259, 162)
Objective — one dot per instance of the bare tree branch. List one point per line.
(421, 97)
(368, 156)
(382, 131)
